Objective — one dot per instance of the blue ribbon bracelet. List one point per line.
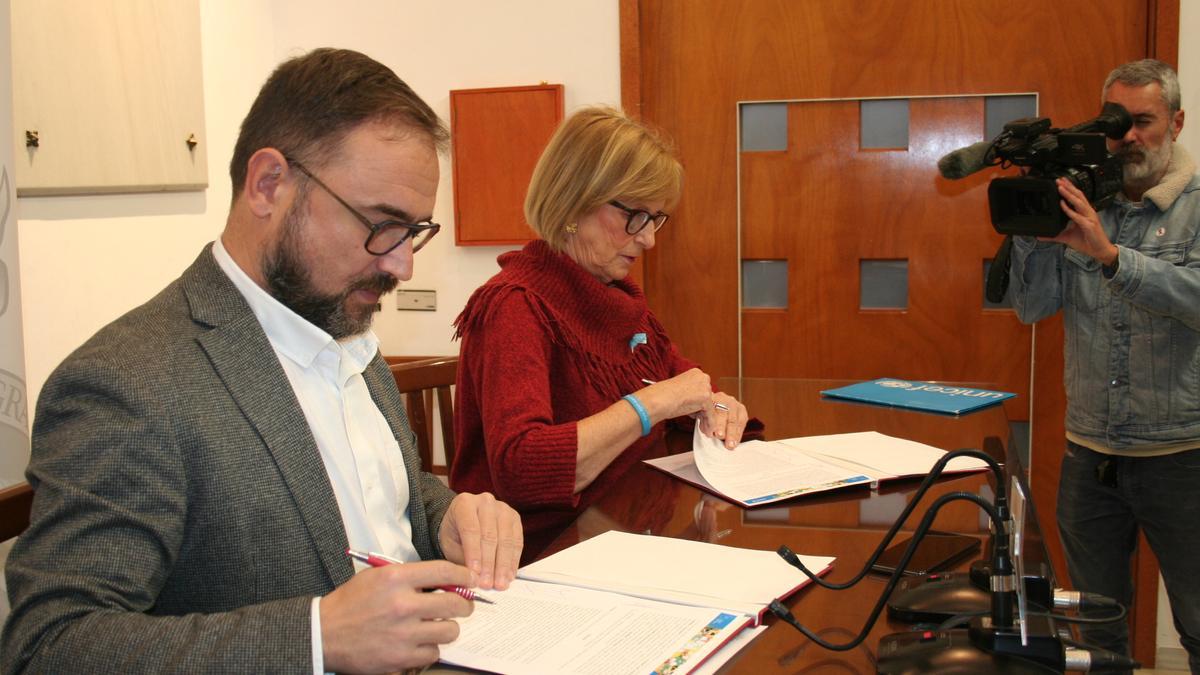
(641, 412)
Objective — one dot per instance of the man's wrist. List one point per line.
(1110, 268)
(1112, 258)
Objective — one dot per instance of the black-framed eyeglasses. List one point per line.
(385, 235)
(638, 218)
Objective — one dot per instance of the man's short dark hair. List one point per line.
(311, 102)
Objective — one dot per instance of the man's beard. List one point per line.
(290, 282)
(1146, 168)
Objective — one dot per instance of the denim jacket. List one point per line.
(1132, 341)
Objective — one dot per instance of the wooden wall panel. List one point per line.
(1162, 31)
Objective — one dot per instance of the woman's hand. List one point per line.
(690, 393)
(725, 424)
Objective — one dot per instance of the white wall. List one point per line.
(1189, 74)
(86, 260)
(1189, 83)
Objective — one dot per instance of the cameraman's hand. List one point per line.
(1083, 233)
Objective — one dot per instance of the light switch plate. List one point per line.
(421, 301)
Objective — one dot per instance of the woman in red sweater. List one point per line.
(552, 402)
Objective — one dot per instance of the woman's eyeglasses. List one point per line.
(638, 219)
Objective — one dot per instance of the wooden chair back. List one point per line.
(15, 502)
(420, 381)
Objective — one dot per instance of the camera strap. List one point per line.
(997, 278)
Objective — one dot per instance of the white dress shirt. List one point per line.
(360, 453)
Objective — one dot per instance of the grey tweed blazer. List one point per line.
(183, 520)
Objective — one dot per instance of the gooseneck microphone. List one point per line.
(966, 161)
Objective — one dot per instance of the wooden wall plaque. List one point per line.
(497, 136)
(108, 96)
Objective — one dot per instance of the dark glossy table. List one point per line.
(847, 524)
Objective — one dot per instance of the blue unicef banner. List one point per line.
(928, 396)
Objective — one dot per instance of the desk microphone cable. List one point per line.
(1100, 602)
(1001, 502)
(1088, 658)
(1002, 604)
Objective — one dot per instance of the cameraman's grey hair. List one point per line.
(1144, 72)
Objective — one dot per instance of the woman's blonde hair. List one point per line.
(596, 155)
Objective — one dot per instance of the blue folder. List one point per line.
(936, 397)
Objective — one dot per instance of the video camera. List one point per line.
(1029, 204)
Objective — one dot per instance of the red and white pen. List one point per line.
(379, 560)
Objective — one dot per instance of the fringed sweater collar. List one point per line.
(600, 317)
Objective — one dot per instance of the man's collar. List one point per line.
(1180, 170)
(288, 332)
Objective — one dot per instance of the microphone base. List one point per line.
(946, 652)
(934, 598)
(938, 596)
(1042, 643)
(980, 649)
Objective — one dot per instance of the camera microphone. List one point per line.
(966, 161)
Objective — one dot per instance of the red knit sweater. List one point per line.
(544, 345)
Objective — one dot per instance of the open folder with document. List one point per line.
(763, 472)
(625, 603)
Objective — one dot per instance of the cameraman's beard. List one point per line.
(290, 282)
(1149, 166)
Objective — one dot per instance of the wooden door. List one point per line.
(824, 204)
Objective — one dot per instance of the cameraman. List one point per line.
(1128, 282)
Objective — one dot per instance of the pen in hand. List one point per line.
(718, 406)
(380, 560)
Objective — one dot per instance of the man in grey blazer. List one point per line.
(203, 463)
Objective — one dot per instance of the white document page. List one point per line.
(758, 472)
(880, 455)
(537, 628)
(682, 465)
(675, 570)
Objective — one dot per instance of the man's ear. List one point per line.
(265, 173)
(1176, 124)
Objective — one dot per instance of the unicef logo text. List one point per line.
(939, 389)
